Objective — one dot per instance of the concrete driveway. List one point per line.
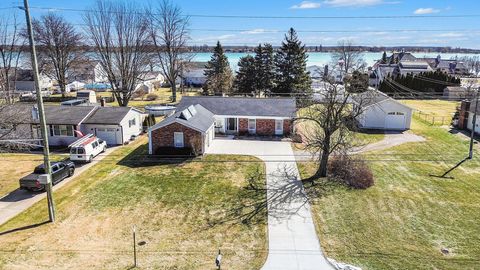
(292, 239)
(19, 200)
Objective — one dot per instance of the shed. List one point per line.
(382, 112)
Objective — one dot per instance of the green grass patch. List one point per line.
(405, 220)
(184, 211)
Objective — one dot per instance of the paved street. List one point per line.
(292, 240)
(18, 200)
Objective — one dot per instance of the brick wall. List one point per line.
(243, 126)
(163, 137)
(287, 127)
(265, 126)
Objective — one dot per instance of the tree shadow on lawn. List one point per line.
(284, 196)
(24, 228)
(140, 158)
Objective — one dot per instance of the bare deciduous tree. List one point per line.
(326, 124)
(16, 124)
(58, 46)
(348, 58)
(169, 34)
(11, 42)
(119, 32)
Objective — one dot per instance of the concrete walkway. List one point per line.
(292, 239)
(19, 200)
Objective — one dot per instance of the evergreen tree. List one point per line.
(384, 57)
(290, 60)
(245, 81)
(265, 69)
(219, 75)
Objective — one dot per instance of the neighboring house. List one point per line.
(74, 86)
(382, 112)
(467, 111)
(89, 71)
(452, 67)
(24, 81)
(115, 125)
(194, 74)
(191, 128)
(16, 123)
(229, 115)
(405, 63)
(149, 80)
(457, 93)
(413, 67)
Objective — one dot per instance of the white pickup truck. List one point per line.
(86, 148)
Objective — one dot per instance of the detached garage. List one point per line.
(114, 125)
(382, 112)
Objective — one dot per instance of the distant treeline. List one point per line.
(319, 48)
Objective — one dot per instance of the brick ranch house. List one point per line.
(197, 120)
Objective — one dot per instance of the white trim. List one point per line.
(253, 116)
(152, 128)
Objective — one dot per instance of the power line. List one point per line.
(278, 17)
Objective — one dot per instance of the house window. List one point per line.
(131, 122)
(252, 124)
(63, 130)
(178, 139)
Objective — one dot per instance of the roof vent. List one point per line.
(192, 110)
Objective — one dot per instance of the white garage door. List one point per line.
(108, 134)
(395, 120)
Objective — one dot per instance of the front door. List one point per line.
(231, 125)
(279, 127)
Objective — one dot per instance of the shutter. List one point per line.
(51, 130)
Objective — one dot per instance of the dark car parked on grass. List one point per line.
(60, 171)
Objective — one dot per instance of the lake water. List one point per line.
(322, 58)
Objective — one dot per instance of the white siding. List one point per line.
(469, 123)
(134, 129)
(374, 116)
(92, 128)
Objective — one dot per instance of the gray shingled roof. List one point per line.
(202, 120)
(243, 106)
(66, 115)
(369, 98)
(107, 115)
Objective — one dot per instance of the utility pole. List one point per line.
(474, 122)
(41, 115)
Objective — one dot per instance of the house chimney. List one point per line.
(102, 102)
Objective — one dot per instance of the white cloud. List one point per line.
(306, 5)
(259, 31)
(223, 37)
(423, 11)
(450, 35)
(355, 3)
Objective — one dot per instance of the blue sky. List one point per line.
(455, 32)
